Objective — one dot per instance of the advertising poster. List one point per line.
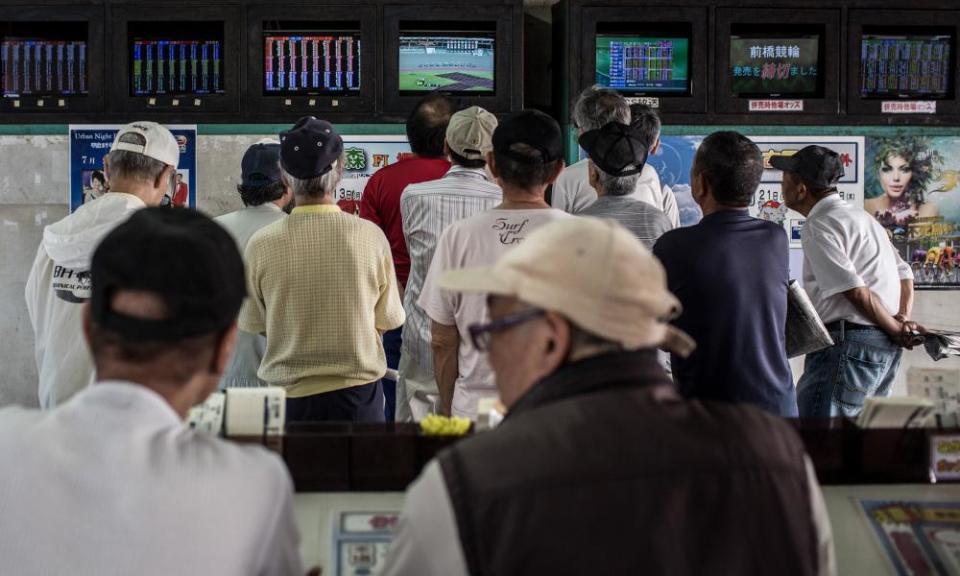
(675, 159)
(912, 189)
(90, 143)
(917, 537)
(364, 155)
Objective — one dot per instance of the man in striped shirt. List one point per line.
(426, 210)
(617, 155)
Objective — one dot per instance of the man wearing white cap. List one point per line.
(600, 466)
(141, 169)
(426, 210)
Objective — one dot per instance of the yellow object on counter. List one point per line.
(435, 425)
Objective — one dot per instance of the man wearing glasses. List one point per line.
(527, 156)
(600, 466)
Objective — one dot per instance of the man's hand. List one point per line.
(910, 334)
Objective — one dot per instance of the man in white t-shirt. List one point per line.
(426, 210)
(141, 168)
(861, 287)
(527, 157)
(595, 108)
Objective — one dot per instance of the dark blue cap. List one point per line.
(310, 148)
(261, 164)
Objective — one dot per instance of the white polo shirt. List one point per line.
(112, 482)
(844, 247)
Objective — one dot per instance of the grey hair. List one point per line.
(319, 186)
(127, 165)
(597, 106)
(616, 185)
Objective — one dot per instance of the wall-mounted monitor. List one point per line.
(51, 59)
(894, 65)
(319, 59)
(451, 61)
(311, 62)
(643, 65)
(176, 59)
(474, 54)
(902, 64)
(786, 65)
(778, 63)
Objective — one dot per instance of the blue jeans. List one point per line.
(392, 340)
(837, 380)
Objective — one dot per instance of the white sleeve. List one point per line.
(427, 542)
(281, 555)
(903, 269)
(32, 297)
(670, 206)
(826, 557)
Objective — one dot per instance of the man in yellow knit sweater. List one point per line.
(322, 289)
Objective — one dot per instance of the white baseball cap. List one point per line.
(470, 132)
(595, 273)
(159, 143)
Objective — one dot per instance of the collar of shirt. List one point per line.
(825, 204)
(316, 209)
(267, 207)
(129, 397)
(464, 172)
(728, 215)
(132, 200)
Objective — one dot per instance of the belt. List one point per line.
(847, 326)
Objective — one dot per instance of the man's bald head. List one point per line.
(427, 125)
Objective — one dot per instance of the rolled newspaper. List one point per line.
(805, 331)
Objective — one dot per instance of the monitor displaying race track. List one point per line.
(448, 61)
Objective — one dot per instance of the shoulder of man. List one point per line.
(254, 467)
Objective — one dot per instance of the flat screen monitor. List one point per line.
(448, 61)
(906, 66)
(784, 66)
(311, 62)
(187, 61)
(640, 64)
(44, 59)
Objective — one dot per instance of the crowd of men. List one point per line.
(483, 270)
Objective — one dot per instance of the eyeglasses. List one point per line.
(480, 333)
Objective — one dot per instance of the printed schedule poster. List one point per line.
(917, 537)
(364, 155)
(89, 144)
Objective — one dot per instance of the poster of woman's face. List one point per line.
(912, 190)
(94, 185)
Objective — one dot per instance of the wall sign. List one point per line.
(912, 107)
(775, 105)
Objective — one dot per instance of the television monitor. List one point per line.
(643, 64)
(776, 66)
(48, 59)
(176, 58)
(311, 62)
(906, 66)
(449, 61)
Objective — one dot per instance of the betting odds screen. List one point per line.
(311, 62)
(448, 61)
(905, 66)
(41, 66)
(642, 64)
(780, 66)
(176, 66)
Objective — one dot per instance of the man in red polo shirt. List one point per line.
(380, 203)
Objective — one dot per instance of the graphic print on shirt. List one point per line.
(71, 285)
(510, 232)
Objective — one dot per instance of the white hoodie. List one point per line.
(59, 285)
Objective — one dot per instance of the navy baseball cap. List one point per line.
(261, 164)
(182, 256)
(617, 149)
(310, 149)
(533, 129)
(815, 165)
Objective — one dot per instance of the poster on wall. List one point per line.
(364, 155)
(917, 537)
(675, 158)
(89, 144)
(912, 189)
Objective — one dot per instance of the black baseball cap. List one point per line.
(815, 165)
(261, 164)
(182, 256)
(531, 128)
(617, 149)
(310, 148)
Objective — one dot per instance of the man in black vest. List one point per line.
(600, 467)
